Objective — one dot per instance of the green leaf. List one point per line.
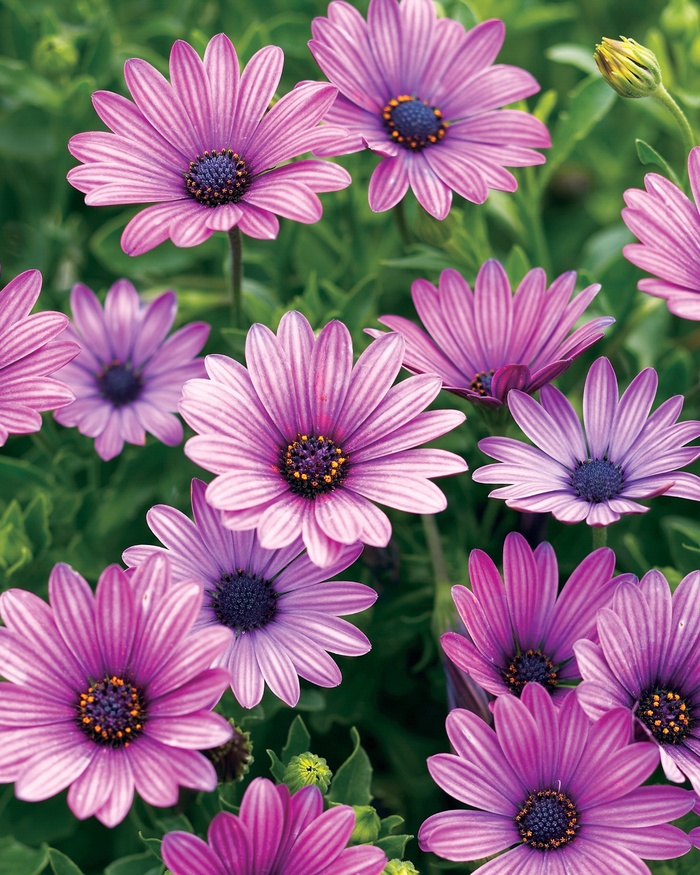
(389, 824)
(574, 55)
(351, 783)
(590, 101)
(393, 846)
(517, 265)
(62, 865)
(648, 155)
(16, 474)
(277, 767)
(16, 859)
(298, 740)
(135, 864)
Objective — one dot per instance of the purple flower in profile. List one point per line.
(425, 95)
(205, 148)
(487, 342)
(648, 661)
(31, 351)
(128, 378)
(109, 692)
(303, 442)
(275, 834)
(518, 629)
(282, 609)
(595, 476)
(668, 225)
(560, 792)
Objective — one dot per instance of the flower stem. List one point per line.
(600, 536)
(531, 203)
(236, 245)
(402, 225)
(663, 97)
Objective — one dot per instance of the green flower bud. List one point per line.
(367, 825)
(307, 769)
(232, 760)
(680, 19)
(629, 68)
(55, 56)
(399, 867)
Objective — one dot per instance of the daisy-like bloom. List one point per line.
(277, 834)
(204, 149)
(282, 609)
(561, 792)
(595, 476)
(110, 691)
(424, 94)
(648, 661)
(667, 224)
(30, 354)
(128, 378)
(487, 342)
(518, 629)
(303, 442)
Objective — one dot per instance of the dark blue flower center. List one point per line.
(547, 820)
(217, 177)
(597, 480)
(243, 601)
(531, 665)
(119, 384)
(482, 382)
(111, 712)
(313, 465)
(413, 122)
(666, 715)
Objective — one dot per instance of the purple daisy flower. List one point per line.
(668, 225)
(563, 789)
(594, 476)
(648, 661)
(275, 834)
(303, 442)
(487, 342)
(30, 354)
(518, 630)
(109, 692)
(282, 609)
(206, 149)
(128, 378)
(425, 95)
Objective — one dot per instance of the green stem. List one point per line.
(437, 557)
(236, 245)
(532, 207)
(402, 225)
(663, 97)
(600, 536)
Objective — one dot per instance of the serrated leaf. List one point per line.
(648, 155)
(351, 783)
(298, 740)
(62, 865)
(590, 101)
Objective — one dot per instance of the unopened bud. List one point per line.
(232, 759)
(367, 825)
(307, 769)
(680, 19)
(399, 867)
(55, 56)
(628, 67)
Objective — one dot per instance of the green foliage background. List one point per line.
(60, 502)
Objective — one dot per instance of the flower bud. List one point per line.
(232, 760)
(680, 19)
(307, 769)
(367, 825)
(55, 56)
(629, 68)
(399, 867)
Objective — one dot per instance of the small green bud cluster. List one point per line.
(307, 769)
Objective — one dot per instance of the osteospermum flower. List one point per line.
(425, 95)
(128, 378)
(30, 354)
(275, 834)
(519, 630)
(303, 442)
(648, 661)
(560, 792)
(595, 476)
(282, 610)
(667, 224)
(206, 150)
(487, 342)
(110, 691)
